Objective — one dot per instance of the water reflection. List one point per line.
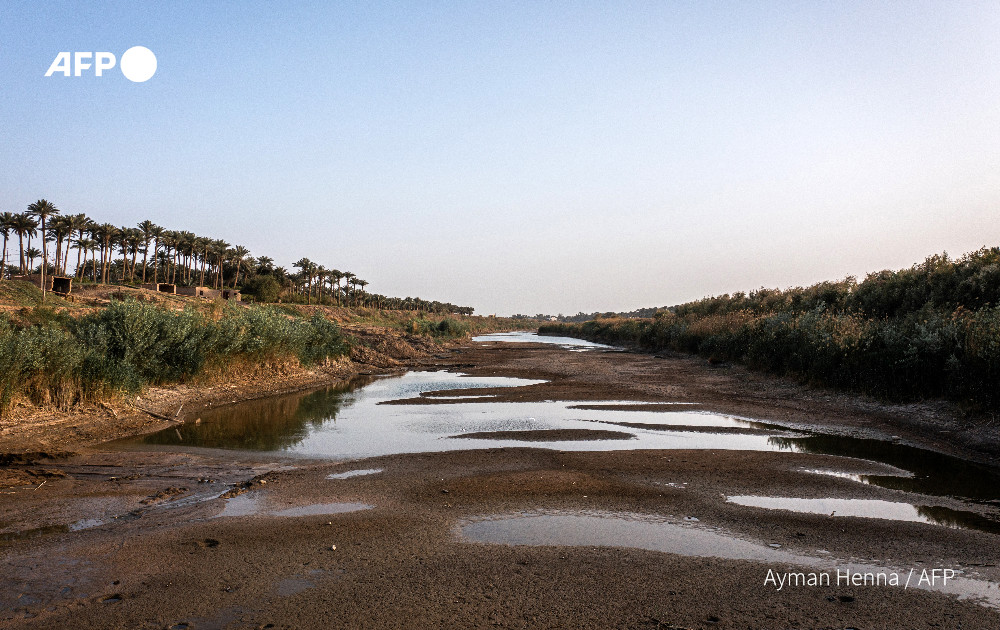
(377, 417)
(354, 421)
(873, 508)
(267, 424)
(355, 473)
(8, 537)
(523, 336)
(617, 529)
(652, 533)
(932, 473)
(253, 505)
(958, 519)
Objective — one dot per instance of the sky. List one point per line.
(523, 157)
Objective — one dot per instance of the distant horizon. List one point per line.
(524, 158)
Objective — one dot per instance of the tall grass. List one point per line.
(129, 345)
(411, 322)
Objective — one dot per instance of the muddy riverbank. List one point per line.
(140, 536)
(30, 429)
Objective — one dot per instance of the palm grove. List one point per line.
(105, 253)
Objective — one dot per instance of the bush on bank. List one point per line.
(925, 332)
(448, 327)
(129, 344)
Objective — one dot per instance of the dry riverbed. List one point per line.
(196, 538)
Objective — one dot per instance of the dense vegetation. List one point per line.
(61, 360)
(932, 330)
(150, 253)
(583, 317)
(60, 353)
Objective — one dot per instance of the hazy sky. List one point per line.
(524, 157)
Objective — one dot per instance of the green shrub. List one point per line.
(129, 344)
(926, 353)
(321, 340)
(40, 362)
(138, 342)
(449, 327)
(263, 288)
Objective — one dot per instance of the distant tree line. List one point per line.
(105, 253)
(932, 330)
(584, 317)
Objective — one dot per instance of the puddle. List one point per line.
(241, 505)
(292, 586)
(317, 509)
(632, 405)
(250, 505)
(26, 534)
(569, 343)
(651, 533)
(836, 473)
(547, 435)
(75, 526)
(86, 523)
(868, 508)
(605, 529)
(371, 417)
(355, 473)
(925, 472)
(352, 422)
(874, 508)
(662, 419)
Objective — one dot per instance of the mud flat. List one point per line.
(335, 509)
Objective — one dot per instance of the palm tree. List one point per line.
(83, 245)
(170, 240)
(105, 234)
(219, 249)
(306, 266)
(23, 226)
(265, 265)
(320, 281)
(362, 284)
(146, 227)
(43, 209)
(335, 277)
(6, 225)
(32, 253)
(348, 279)
(81, 224)
(202, 245)
(281, 275)
(157, 233)
(187, 249)
(134, 245)
(61, 228)
(121, 242)
(239, 253)
(94, 247)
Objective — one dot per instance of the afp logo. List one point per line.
(138, 64)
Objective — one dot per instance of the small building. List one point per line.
(62, 285)
(231, 294)
(160, 287)
(202, 292)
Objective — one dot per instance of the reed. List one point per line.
(930, 331)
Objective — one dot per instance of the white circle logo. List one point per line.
(138, 64)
